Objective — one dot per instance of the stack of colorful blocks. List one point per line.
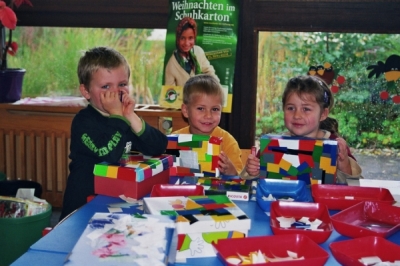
(134, 176)
(204, 153)
(298, 158)
(200, 220)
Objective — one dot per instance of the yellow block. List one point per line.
(284, 165)
(216, 149)
(325, 164)
(206, 166)
(271, 167)
(112, 171)
(319, 143)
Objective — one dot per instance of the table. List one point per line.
(54, 248)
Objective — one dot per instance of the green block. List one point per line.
(191, 144)
(208, 158)
(317, 153)
(153, 163)
(200, 137)
(100, 169)
(169, 212)
(293, 171)
(307, 170)
(264, 143)
(274, 175)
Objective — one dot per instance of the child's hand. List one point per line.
(128, 103)
(111, 102)
(225, 165)
(343, 161)
(253, 165)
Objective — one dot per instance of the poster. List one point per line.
(211, 48)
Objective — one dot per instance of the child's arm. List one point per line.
(225, 165)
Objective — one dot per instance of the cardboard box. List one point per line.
(194, 155)
(298, 158)
(200, 221)
(134, 177)
(234, 189)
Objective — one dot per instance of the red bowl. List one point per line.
(341, 197)
(348, 252)
(298, 210)
(169, 190)
(367, 218)
(273, 246)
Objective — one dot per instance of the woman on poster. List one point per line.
(188, 59)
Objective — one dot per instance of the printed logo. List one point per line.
(171, 95)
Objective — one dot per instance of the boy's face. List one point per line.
(186, 41)
(105, 80)
(203, 113)
(302, 115)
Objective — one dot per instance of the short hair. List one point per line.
(202, 84)
(309, 85)
(96, 58)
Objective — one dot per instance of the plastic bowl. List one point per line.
(341, 197)
(298, 210)
(168, 190)
(273, 246)
(367, 219)
(348, 252)
(295, 189)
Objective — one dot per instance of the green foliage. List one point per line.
(364, 119)
(271, 123)
(50, 57)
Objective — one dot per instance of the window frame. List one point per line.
(255, 15)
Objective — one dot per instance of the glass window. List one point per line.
(50, 56)
(367, 104)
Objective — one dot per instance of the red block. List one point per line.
(137, 190)
(126, 173)
(306, 145)
(214, 163)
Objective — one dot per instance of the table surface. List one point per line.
(54, 248)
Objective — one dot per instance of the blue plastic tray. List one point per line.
(281, 189)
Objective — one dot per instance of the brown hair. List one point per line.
(309, 85)
(96, 58)
(184, 24)
(202, 84)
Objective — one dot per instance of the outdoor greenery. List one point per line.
(50, 56)
(365, 120)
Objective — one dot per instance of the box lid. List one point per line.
(134, 167)
(213, 213)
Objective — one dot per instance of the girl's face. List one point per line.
(302, 115)
(186, 41)
(112, 80)
(203, 113)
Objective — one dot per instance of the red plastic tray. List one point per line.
(169, 190)
(348, 252)
(338, 197)
(273, 245)
(298, 210)
(367, 218)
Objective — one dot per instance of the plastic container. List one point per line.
(298, 210)
(281, 189)
(18, 234)
(348, 252)
(168, 190)
(341, 197)
(367, 219)
(273, 246)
